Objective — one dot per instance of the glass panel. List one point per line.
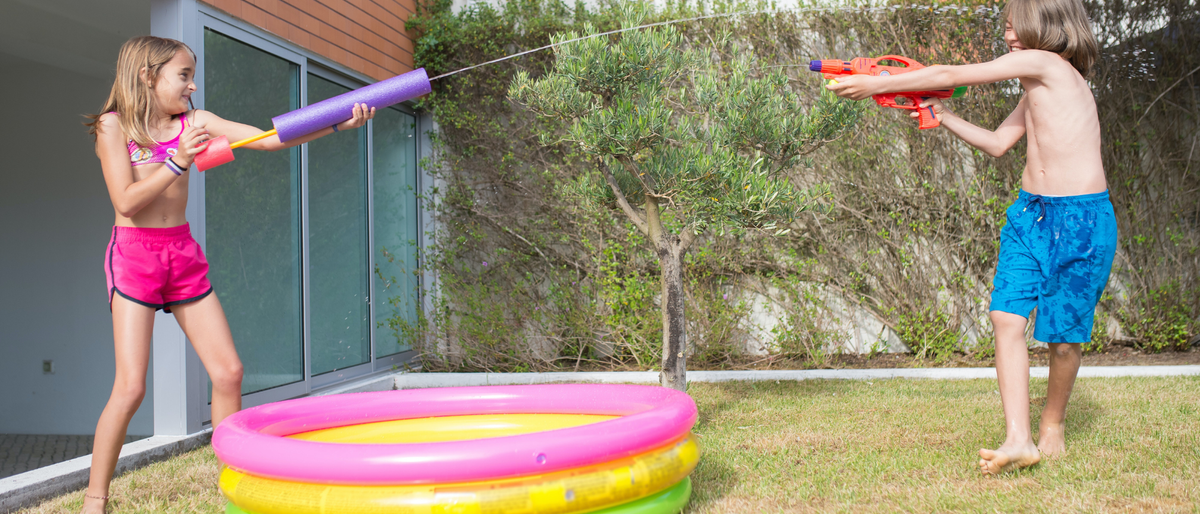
(337, 246)
(395, 212)
(252, 214)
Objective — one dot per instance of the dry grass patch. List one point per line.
(910, 446)
(187, 483)
(869, 446)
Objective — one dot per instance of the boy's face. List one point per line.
(175, 83)
(1010, 37)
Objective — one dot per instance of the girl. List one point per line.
(1057, 248)
(152, 262)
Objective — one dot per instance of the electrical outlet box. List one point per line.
(48, 367)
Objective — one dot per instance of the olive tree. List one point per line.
(686, 137)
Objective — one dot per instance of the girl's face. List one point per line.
(175, 84)
(1010, 38)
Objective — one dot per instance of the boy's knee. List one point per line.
(1064, 350)
(1005, 320)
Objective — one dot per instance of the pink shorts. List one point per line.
(156, 267)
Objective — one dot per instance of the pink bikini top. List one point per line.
(139, 155)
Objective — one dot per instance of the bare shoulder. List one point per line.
(109, 124)
(1032, 63)
(200, 117)
(109, 131)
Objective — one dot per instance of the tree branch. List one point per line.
(621, 200)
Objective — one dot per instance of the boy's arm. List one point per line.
(1013, 65)
(994, 143)
(234, 131)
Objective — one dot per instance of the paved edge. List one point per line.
(31, 487)
(34, 486)
(405, 380)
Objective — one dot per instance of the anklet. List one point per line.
(86, 495)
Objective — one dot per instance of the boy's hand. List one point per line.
(854, 87)
(193, 141)
(938, 108)
(361, 114)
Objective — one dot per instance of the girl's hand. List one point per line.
(360, 116)
(193, 141)
(854, 87)
(938, 108)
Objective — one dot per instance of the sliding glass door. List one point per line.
(252, 214)
(312, 250)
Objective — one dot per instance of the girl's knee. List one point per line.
(227, 377)
(130, 392)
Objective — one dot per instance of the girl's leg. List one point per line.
(1064, 366)
(1012, 372)
(132, 327)
(206, 327)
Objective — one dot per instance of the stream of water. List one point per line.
(938, 9)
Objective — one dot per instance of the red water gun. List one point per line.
(910, 100)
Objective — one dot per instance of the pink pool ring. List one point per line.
(254, 440)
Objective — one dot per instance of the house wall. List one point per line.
(56, 222)
(367, 36)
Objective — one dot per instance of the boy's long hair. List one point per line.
(1059, 26)
(132, 97)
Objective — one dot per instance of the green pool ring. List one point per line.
(670, 501)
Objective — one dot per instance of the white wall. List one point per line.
(55, 220)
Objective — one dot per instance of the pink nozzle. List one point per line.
(216, 154)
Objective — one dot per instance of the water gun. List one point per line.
(910, 100)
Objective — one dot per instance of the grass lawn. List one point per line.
(858, 446)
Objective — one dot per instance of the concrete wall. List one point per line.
(55, 220)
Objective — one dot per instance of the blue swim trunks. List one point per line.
(1055, 254)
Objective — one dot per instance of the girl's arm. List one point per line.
(129, 196)
(994, 143)
(1032, 64)
(235, 131)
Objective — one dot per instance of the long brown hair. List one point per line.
(131, 97)
(1059, 26)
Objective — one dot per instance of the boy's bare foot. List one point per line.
(1007, 458)
(1052, 439)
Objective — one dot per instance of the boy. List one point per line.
(1057, 248)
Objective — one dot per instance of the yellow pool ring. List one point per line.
(575, 490)
(670, 501)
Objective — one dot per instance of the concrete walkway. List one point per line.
(24, 452)
(34, 486)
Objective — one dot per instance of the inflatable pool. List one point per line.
(505, 449)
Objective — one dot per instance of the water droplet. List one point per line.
(541, 458)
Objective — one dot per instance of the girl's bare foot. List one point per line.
(94, 504)
(1052, 439)
(1007, 458)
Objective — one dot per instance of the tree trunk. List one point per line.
(674, 322)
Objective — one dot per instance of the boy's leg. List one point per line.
(132, 327)
(204, 323)
(1012, 372)
(1064, 366)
